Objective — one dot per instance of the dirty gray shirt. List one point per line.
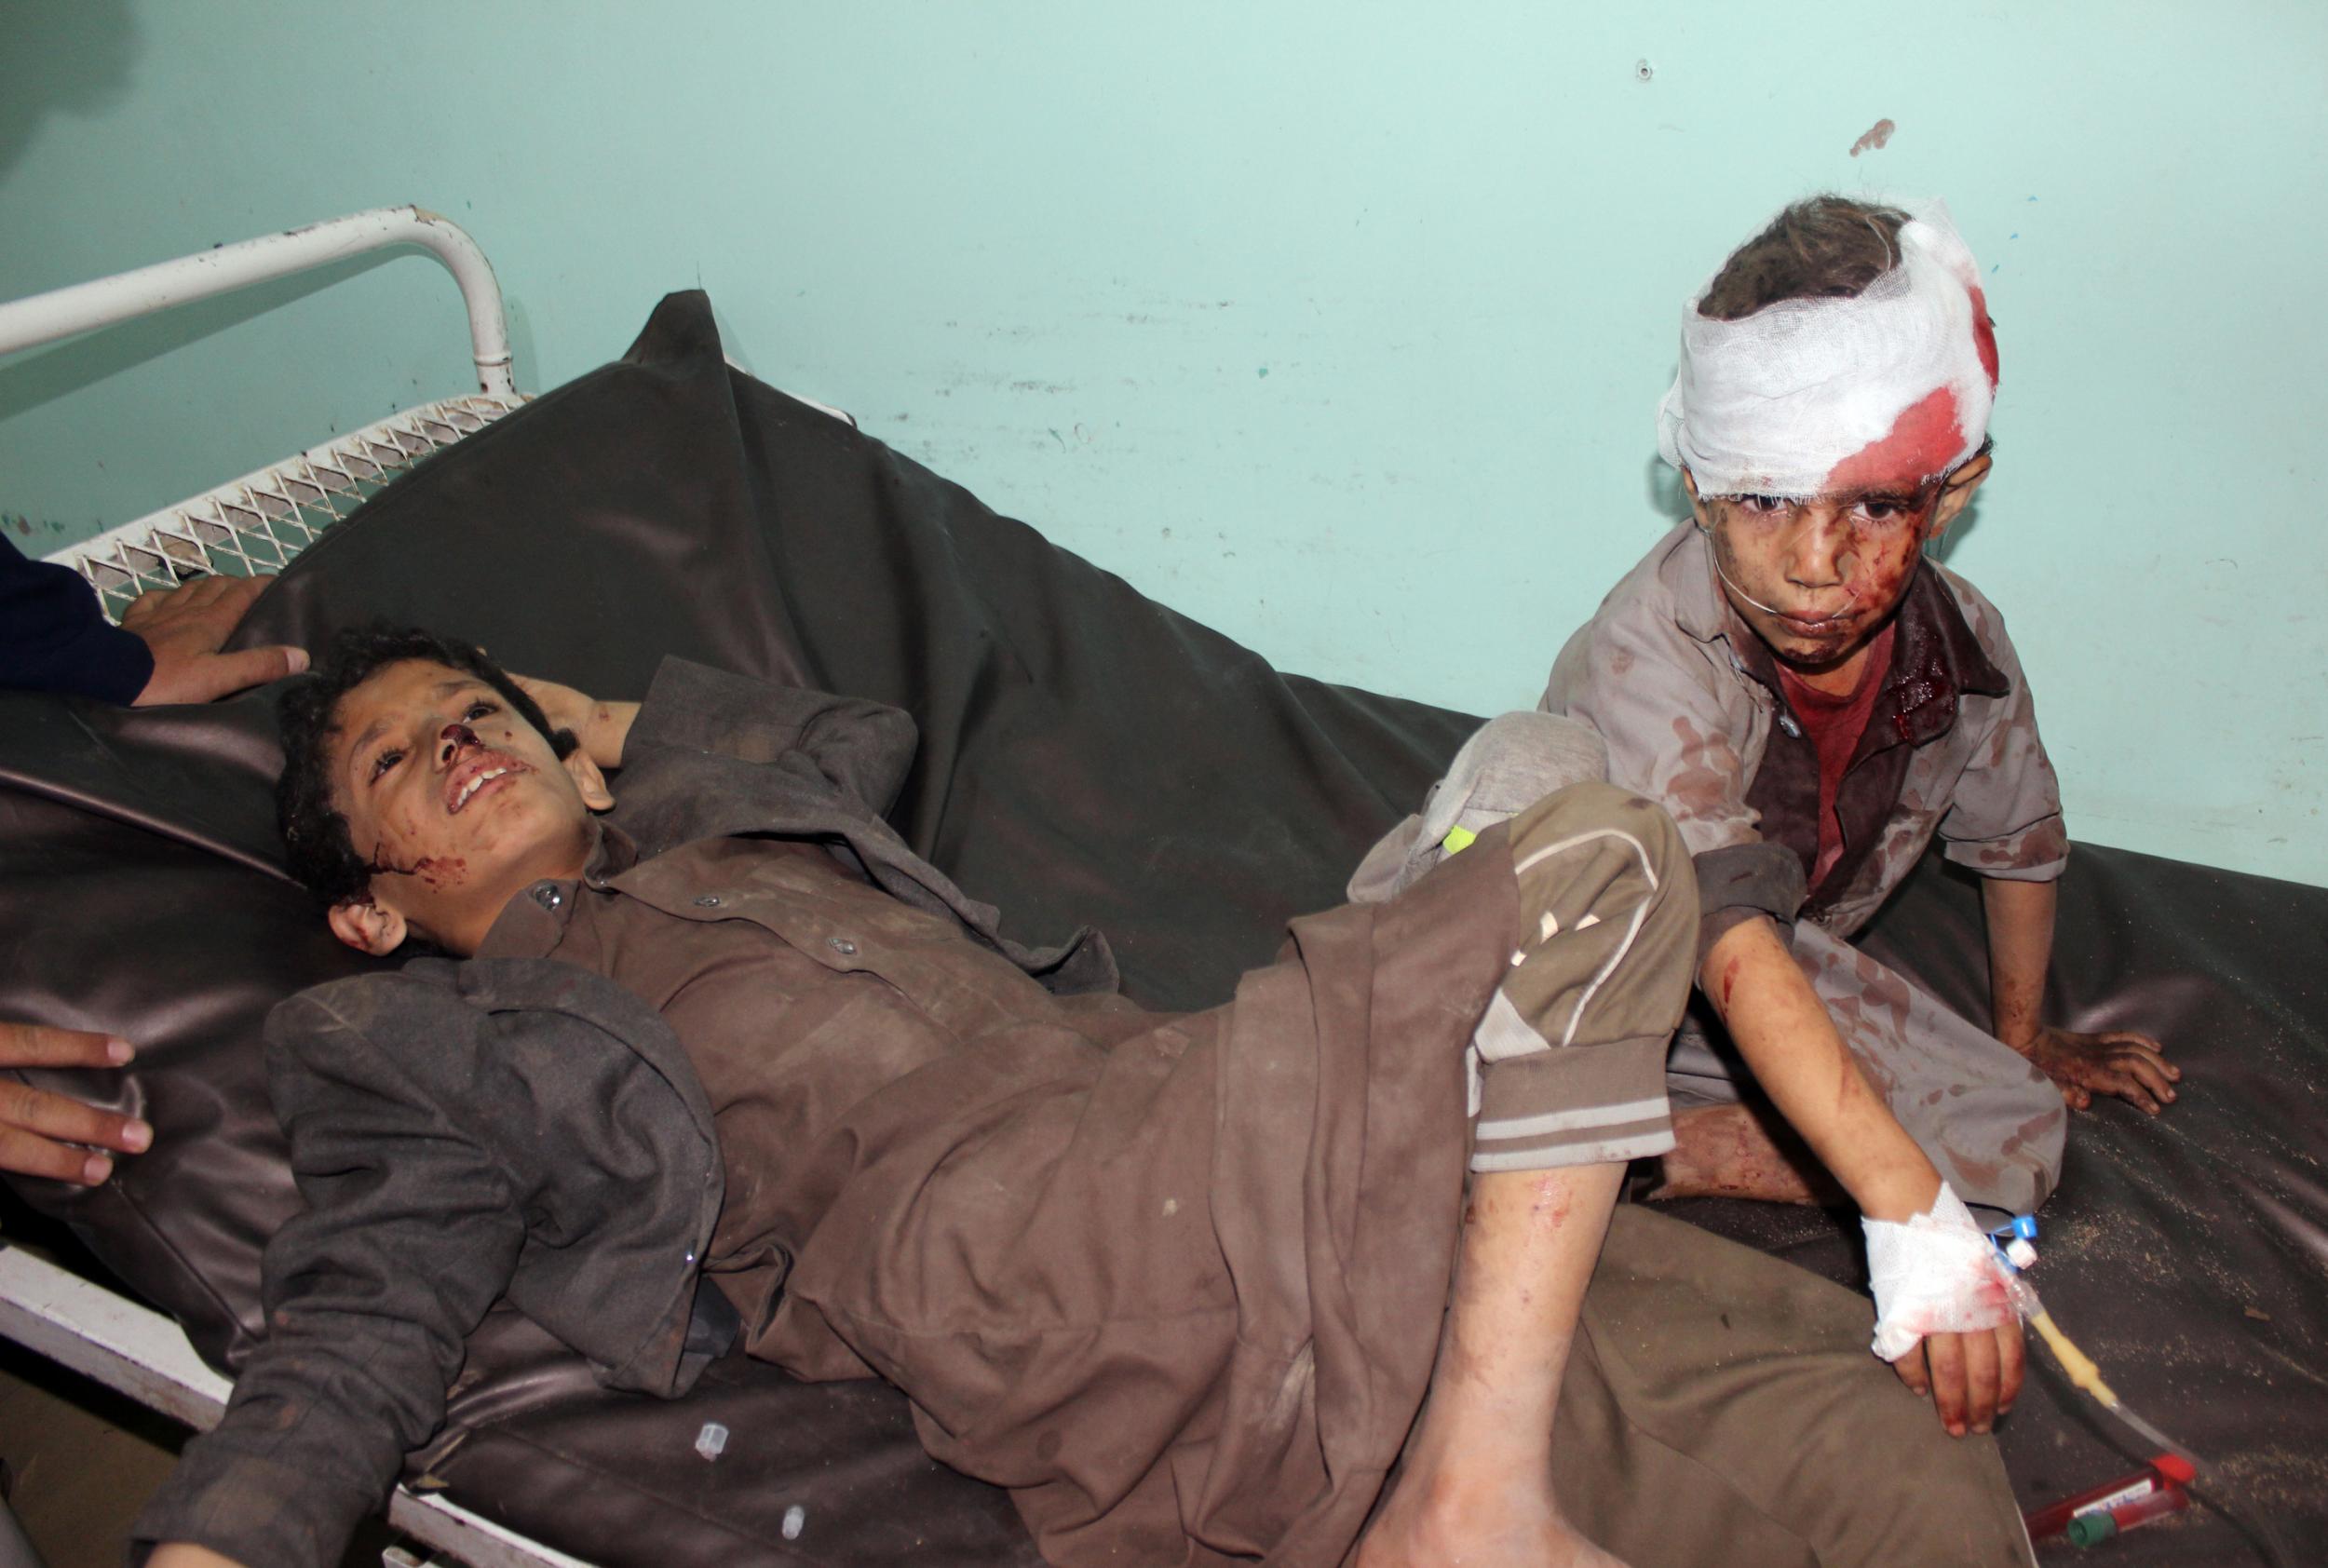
(1665, 672)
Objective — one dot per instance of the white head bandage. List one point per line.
(1817, 397)
(1935, 1275)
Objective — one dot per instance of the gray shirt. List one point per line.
(1678, 688)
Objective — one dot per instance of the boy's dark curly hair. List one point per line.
(315, 842)
(1824, 247)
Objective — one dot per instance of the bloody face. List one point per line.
(1817, 579)
(456, 800)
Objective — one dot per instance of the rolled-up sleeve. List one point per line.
(1571, 1051)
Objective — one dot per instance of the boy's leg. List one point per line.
(1568, 1062)
(1706, 1405)
(1189, 1286)
(1991, 1121)
(1475, 1485)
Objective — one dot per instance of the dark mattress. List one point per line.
(1088, 755)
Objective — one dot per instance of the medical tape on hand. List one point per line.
(1935, 1275)
(1827, 396)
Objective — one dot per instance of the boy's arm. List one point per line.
(2115, 1061)
(1783, 1030)
(411, 1231)
(864, 748)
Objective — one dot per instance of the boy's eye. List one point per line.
(384, 761)
(1763, 505)
(481, 709)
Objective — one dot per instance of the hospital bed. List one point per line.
(1087, 755)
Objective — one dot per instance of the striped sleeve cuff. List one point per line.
(1594, 1106)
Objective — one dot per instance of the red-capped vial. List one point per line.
(2167, 1471)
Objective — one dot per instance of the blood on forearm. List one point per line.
(1784, 1030)
(2020, 918)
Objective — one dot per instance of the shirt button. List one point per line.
(842, 945)
(547, 896)
(708, 901)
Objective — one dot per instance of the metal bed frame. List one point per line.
(257, 523)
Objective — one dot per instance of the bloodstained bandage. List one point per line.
(1819, 397)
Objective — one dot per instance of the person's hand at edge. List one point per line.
(38, 1130)
(185, 626)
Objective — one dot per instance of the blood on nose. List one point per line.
(1819, 546)
(455, 736)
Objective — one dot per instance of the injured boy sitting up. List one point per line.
(728, 1066)
(1814, 699)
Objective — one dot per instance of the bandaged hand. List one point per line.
(1946, 1313)
(1935, 1275)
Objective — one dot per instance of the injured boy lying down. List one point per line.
(726, 1065)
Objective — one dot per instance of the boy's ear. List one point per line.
(366, 927)
(1955, 494)
(587, 780)
(1697, 502)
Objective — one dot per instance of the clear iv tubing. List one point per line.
(2084, 1373)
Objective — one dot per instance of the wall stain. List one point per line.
(1877, 136)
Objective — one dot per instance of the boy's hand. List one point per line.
(1973, 1378)
(2115, 1061)
(602, 727)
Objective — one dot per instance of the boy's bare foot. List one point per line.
(1481, 1522)
(1724, 1151)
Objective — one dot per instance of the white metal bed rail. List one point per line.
(259, 521)
(142, 1354)
(104, 301)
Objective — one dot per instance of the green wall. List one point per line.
(1339, 326)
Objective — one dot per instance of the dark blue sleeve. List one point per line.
(53, 637)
